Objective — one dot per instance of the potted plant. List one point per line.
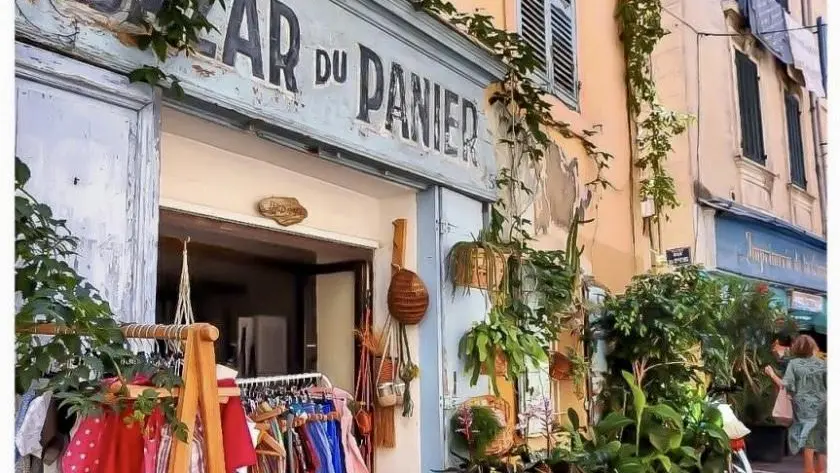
(477, 264)
(498, 346)
(570, 366)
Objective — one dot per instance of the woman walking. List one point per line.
(805, 382)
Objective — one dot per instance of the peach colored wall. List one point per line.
(706, 87)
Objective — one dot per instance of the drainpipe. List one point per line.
(816, 132)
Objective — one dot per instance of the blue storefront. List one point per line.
(789, 259)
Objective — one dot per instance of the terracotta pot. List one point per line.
(477, 275)
(501, 365)
(560, 366)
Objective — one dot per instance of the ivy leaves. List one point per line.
(176, 27)
(641, 31)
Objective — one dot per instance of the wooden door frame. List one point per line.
(66, 74)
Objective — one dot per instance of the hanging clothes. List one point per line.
(236, 437)
(23, 407)
(354, 462)
(86, 444)
(28, 436)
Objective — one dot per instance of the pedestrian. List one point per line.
(806, 383)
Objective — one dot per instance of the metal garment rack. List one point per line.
(285, 378)
(267, 380)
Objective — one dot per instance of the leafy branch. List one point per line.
(175, 29)
(656, 126)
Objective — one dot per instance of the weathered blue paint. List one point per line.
(758, 250)
(372, 77)
(430, 268)
(91, 140)
(461, 220)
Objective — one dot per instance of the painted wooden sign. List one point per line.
(372, 80)
(283, 210)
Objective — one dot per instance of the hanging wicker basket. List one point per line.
(408, 298)
(504, 441)
(477, 267)
(560, 367)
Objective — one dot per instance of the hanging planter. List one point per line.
(477, 265)
(560, 367)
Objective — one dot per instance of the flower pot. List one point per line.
(501, 365)
(560, 367)
(478, 268)
(766, 443)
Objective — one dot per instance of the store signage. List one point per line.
(366, 79)
(285, 211)
(764, 252)
(678, 256)
(806, 302)
(767, 22)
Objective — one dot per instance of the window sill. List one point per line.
(756, 183)
(801, 207)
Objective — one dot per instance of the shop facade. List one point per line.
(764, 248)
(365, 112)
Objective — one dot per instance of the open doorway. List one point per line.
(283, 303)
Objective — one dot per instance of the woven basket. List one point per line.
(504, 441)
(477, 276)
(408, 298)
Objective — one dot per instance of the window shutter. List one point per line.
(564, 76)
(532, 19)
(794, 130)
(752, 132)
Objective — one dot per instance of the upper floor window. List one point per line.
(749, 101)
(793, 118)
(548, 26)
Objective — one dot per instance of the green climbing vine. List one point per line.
(540, 294)
(641, 31)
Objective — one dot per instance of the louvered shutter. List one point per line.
(532, 19)
(794, 130)
(752, 132)
(564, 76)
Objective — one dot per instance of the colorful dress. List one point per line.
(805, 381)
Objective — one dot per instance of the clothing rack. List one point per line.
(199, 394)
(285, 378)
(265, 380)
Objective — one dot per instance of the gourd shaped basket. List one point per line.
(408, 298)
